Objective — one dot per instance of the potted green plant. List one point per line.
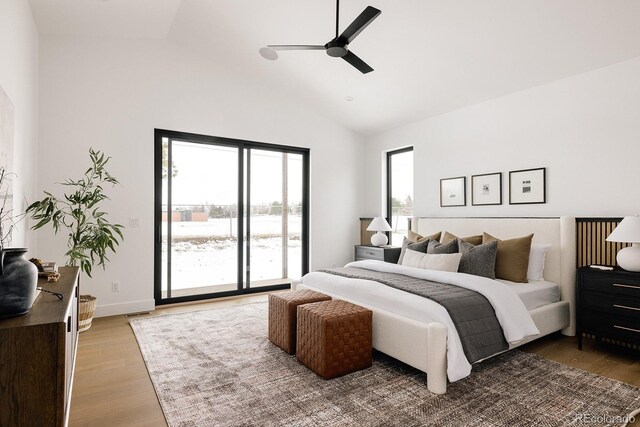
(90, 234)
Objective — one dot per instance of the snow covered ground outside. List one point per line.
(206, 253)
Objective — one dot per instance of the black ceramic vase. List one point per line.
(18, 282)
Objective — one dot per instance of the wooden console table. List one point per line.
(37, 357)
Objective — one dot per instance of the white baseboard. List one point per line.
(124, 308)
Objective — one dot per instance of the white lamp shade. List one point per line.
(628, 231)
(379, 224)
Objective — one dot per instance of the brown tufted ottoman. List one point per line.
(282, 316)
(334, 337)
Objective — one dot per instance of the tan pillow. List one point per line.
(474, 240)
(512, 262)
(415, 237)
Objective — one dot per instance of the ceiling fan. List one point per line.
(337, 47)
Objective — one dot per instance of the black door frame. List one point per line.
(159, 134)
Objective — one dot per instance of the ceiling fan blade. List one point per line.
(359, 24)
(362, 66)
(296, 46)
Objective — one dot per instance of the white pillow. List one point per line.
(536, 261)
(442, 262)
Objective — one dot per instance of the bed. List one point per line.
(419, 334)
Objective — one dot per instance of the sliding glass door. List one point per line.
(275, 220)
(231, 216)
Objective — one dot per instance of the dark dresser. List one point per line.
(37, 357)
(608, 306)
(380, 253)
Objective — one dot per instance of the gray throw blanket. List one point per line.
(472, 314)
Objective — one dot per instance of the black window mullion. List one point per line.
(240, 218)
(157, 292)
(305, 211)
(389, 195)
(169, 212)
(247, 265)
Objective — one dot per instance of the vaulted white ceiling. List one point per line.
(429, 56)
(105, 18)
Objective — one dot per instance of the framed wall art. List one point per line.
(6, 131)
(528, 186)
(486, 189)
(453, 191)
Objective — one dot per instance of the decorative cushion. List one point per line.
(415, 246)
(474, 240)
(478, 260)
(536, 261)
(441, 262)
(512, 262)
(442, 248)
(415, 237)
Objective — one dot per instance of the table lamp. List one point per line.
(628, 231)
(379, 225)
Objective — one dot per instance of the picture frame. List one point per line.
(486, 189)
(528, 186)
(453, 191)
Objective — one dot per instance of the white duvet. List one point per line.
(513, 316)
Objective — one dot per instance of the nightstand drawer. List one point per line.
(608, 306)
(366, 252)
(379, 253)
(613, 304)
(611, 284)
(620, 327)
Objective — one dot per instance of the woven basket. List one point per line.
(87, 309)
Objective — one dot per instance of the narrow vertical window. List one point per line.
(399, 192)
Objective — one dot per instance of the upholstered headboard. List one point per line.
(559, 232)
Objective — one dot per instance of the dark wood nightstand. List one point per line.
(381, 253)
(608, 306)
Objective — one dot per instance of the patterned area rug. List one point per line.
(216, 367)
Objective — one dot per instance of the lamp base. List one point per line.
(379, 239)
(628, 258)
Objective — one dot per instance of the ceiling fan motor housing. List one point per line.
(336, 49)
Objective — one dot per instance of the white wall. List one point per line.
(19, 79)
(584, 129)
(111, 94)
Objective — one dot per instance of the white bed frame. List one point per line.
(424, 346)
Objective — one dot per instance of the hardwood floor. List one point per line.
(112, 386)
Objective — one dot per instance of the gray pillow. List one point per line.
(478, 260)
(414, 246)
(443, 248)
